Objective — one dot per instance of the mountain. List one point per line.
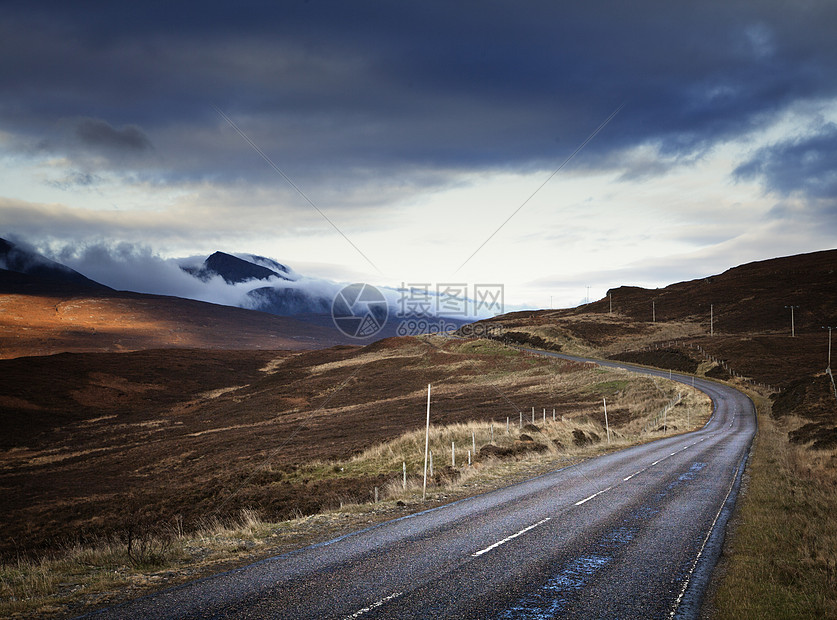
(235, 270)
(274, 299)
(23, 270)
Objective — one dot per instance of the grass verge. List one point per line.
(781, 561)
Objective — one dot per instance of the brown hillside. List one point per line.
(94, 439)
(747, 299)
(39, 317)
(752, 326)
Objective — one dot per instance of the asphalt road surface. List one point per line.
(632, 534)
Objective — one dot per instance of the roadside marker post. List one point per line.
(427, 447)
(607, 426)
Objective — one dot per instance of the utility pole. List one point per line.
(654, 311)
(793, 329)
(829, 328)
(588, 294)
(711, 319)
(610, 297)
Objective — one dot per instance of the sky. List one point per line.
(557, 149)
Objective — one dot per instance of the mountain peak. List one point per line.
(233, 269)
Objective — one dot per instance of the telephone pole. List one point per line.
(793, 329)
(829, 328)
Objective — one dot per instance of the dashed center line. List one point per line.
(508, 538)
(362, 611)
(587, 499)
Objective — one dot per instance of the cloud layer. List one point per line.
(109, 128)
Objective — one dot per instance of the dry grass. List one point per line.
(638, 400)
(783, 561)
(79, 577)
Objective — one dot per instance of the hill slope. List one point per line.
(746, 299)
(41, 317)
(746, 339)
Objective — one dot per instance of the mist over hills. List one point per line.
(245, 280)
(275, 296)
(253, 303)
(240, 280)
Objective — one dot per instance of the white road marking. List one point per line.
(587, 499)
(374, 605)
(508, 538)
(700, 551)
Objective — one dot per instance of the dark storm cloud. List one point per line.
(807, 165)
(100, 134)
(346, 90)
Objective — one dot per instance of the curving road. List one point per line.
(632, 534)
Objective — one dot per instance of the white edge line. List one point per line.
(508, 538)
(703, 546)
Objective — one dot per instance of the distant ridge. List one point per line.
(25, 271)
(745, 298)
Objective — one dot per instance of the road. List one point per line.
(631, 534)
